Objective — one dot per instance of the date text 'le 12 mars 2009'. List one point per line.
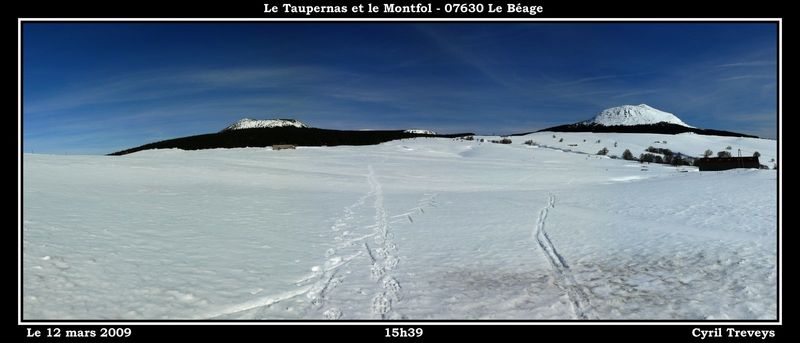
(55, 332)
(403, 332)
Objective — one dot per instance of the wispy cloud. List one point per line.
(160, 84)
(746, 64)
(745, 77)
(594, 78)
(468, 57)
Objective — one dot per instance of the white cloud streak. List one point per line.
(746, 64)
(161, 84)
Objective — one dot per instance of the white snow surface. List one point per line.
(634, 115)
(688, 143)
(411, 229)
(247, 123)
(420, 131)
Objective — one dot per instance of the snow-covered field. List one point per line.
(689, 144)
(411, 229)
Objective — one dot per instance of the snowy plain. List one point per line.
(425, 228)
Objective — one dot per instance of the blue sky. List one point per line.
(95, 88)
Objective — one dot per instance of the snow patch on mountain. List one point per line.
(420, 131)
(628, 115)
(247, 123)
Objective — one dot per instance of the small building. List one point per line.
(282, 146)
(725, 163)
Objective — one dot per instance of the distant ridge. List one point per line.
(662, 128)
(288, 131)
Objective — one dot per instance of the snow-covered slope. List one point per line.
(247, 123)
(420, 131)
(634, 115)
(687, 143)
(483, 231)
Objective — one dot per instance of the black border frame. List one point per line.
(596, 325)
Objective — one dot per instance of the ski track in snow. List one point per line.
(578, 298)
(344, 226)
(325, 276)
(326, 280)
(383, 259)
(259, 303)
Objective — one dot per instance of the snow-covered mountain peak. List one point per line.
(420, 131)
(634, 115)
(247, 123)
